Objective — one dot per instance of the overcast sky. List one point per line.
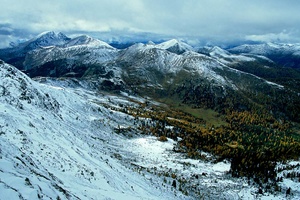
(209, 20)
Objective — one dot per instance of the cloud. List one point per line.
(283, 36)
(5, 30)
(219, 20)
(9, 35)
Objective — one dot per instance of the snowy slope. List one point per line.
(142, 59)
(55, 142)
(150, 65)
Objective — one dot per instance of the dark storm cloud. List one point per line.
(219, 20)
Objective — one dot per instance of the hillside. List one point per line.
(60, 143)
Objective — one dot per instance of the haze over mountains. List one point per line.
(72, 131)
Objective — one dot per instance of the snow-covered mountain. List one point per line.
(85, 40)
(144, 64)
(46, 39)
(140, 65)
(16, 55)
(84, 49)
(224, 56)
(266, 48)
(283, 54)
(175, 46)
(151, 64)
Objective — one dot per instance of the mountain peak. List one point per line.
(89, 41)
(45, 39)
(46, 33)
(51, 36)
(150, 43)
(218, 51)
(171, 42)
(175, 46)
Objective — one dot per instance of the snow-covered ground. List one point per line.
(59, 142)
(64, 150)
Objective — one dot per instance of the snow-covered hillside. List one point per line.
(147, 61)
(58, 142)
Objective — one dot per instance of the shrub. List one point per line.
(163, 138)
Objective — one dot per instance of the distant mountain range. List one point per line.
(172, 68)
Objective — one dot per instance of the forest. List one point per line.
(251, 137)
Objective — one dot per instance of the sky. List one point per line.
(205, 21)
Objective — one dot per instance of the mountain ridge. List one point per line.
(284, 54)
(153, 68)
